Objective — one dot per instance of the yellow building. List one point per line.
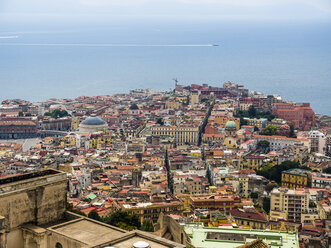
(182, 134)
(150, 211)
(251, 162)
(296, 178)
(243, 183)
(74, 123)
(99, 141)
(288, 204)
(284, 226)
(173, 105)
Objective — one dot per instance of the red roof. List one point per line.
(249, 213)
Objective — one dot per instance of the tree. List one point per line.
(266, 204)
(263, 145)
(292, 134)
(256, 129)
(94, 215)
(243, 121)
(20, 114)
(160, 121)
(275, 172)
(254, 195)
(252, 112)
(28, 114)
(123, 220)
(57, 113)
(327, 170)
(147, 226)
(270, 130)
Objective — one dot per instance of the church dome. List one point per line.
(230, 125)
(92, 124)
(93, 120)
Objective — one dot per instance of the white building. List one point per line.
(317, 142)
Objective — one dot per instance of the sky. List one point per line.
(21, 11)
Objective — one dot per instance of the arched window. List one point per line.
(58, 245)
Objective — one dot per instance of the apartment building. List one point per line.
(296, 178)
(288, 204)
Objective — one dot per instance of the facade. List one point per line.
(194, 98)
(288, 204)
(17, 128)
(60, 124)
(215, 202)
(182, 134)
(296, 178)
(321, 180)
(150, 211)
(280, 142)
(259, 123)
(300, 115)
(317, 142)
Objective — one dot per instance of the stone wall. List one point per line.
(37, 199)
(177, 231)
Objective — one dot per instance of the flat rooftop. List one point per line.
(26, 176)
(204, 237)
(89, 232)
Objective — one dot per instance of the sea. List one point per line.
(293, 60)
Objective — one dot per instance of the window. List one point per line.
(58, 245)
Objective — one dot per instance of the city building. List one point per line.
(296, 178)
(317, 141)
(300, 115)
(250, 217)
(288, 204)
(182, 134)
(17, 128)
(151, 210)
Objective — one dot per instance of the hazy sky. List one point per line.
(278, 10)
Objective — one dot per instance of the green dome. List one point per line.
(230, 125)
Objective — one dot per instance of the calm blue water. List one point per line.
(291, 60)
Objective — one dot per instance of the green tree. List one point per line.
(20, 114)
(254, 195)
(160, 121)
(270, 130)
(266, 204)
(123, 220)
(243, 121)
(292, 134)
(263, 145)
(28, 114)
(252, 112)
(57, 113)
(94, 215)
(147, 226)
(275, 172)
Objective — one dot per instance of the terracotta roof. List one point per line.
(249, 213)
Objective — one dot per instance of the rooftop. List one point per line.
(204, 237)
